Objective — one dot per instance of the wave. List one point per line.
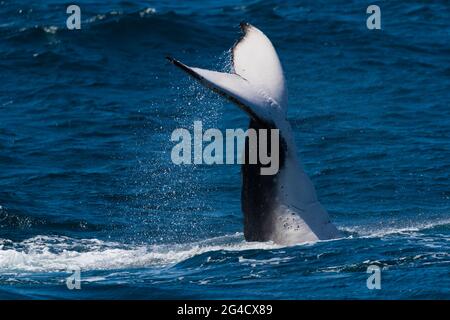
(116, 26)
(57, 253)
(377, 232)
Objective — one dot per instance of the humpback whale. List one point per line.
(283, 207)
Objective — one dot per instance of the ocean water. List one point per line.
(86, 180)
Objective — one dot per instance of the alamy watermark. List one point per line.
(73, 22)
(74, 280)
(374, 20)
(374, 280)
(190, 148)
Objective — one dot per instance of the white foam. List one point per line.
(51, 29)
(147, 11)
(271, 261)
(57, 253)
(47, 254)
(380, 231)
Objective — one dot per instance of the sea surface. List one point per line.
(87, 183)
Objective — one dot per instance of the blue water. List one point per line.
(86, 179)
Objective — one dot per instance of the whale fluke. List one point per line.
(256, 84)
(254, 58)
(231, 86)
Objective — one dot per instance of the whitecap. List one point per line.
(51, 29)
(52, 253)
(377, 231)
(146, 12)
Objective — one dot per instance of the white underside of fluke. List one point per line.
(258, 87)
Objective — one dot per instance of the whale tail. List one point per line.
(281, 207)
(256, 84)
